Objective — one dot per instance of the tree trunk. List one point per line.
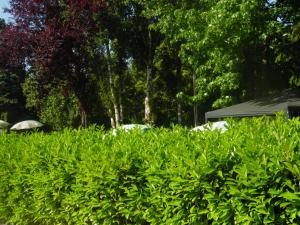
(115, 112)
(121, 109)
(179, 85)
(83, 117)
(121, 106)
(148, 98)
(80, 94)
(112, 119)
(149, 89)
(195, 104)
(80, 90)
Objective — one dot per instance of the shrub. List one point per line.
(247, 175)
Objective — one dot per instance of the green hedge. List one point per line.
(247, 175)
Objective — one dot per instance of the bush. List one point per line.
(60, 111)
(247, 175)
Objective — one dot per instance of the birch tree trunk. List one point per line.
(115, 112)
(149, 89)
(121, 109)
(148, 98)
(112, 119)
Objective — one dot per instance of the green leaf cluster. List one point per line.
(58, 109)
(247, 175)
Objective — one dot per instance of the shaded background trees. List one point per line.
(161, 62)
(12, 101)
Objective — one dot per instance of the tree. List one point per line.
(284, 39)
(53, 37)
(110, 48)
(142, 43)
(12, 105)
(11, 98)
(233, 46)
(166, 20)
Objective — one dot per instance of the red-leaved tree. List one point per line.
(53, 36)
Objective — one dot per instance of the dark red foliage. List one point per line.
(45, 28)
(14, 47)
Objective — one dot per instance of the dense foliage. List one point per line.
(238, 49)
(12, 101)
(247, 175)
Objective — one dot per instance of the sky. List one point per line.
(4, 4)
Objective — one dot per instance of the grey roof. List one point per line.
(263, 106)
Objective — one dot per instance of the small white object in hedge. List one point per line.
(26, 125)
(220, 125)
(127, 127)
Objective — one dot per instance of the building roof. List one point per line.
(264, 106)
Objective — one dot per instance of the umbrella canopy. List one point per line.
(27, 124)
(3, 124)
(220, 125)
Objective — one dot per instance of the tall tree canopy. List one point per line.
(238, 49)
